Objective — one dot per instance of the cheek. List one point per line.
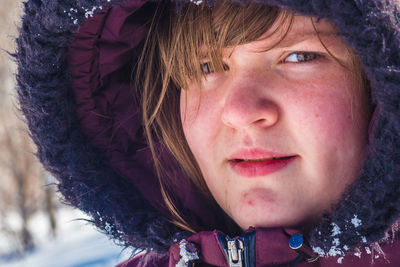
(202, 127)
(333, 132)
(187, 107)
(326, 112)
(331, 121)
(199, 117)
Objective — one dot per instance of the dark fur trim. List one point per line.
(85, 178)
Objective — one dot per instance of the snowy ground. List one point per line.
(78, 245)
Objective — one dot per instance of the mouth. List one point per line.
(261, 159)
(259, 166)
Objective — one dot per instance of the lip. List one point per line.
(255, 154)
(258, 162)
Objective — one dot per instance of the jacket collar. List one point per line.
(263, 246)
(272, 247)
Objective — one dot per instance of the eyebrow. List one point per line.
(294, 38)
(291, 40)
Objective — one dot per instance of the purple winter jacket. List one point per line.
(75, 59)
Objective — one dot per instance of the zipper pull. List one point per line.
(235, 252)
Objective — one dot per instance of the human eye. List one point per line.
(302, 57)
(207, 67)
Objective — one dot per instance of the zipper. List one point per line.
(235, 252)
(239, 250)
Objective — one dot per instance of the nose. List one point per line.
(249, 102)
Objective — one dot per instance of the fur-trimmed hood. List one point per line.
(75, 60)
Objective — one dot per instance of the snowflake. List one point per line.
(355, 221)
(319, 251)
(108, 227)
(334, 251)
(358, 254)
(90, 13)
(186, 255)
(336, 242)
(196, 2)
(335, 229)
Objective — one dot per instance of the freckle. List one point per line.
(316, 116)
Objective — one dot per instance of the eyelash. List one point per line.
(207, 68)
(314, 54)
(210, 68)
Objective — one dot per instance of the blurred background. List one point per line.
(36, 229)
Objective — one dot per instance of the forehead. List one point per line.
(288, 32)
(299, 29)
(305, 24)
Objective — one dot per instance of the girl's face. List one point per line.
(293, 102)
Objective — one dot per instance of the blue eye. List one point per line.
(207, 68)
(300, 57)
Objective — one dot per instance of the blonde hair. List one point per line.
(171, 54)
